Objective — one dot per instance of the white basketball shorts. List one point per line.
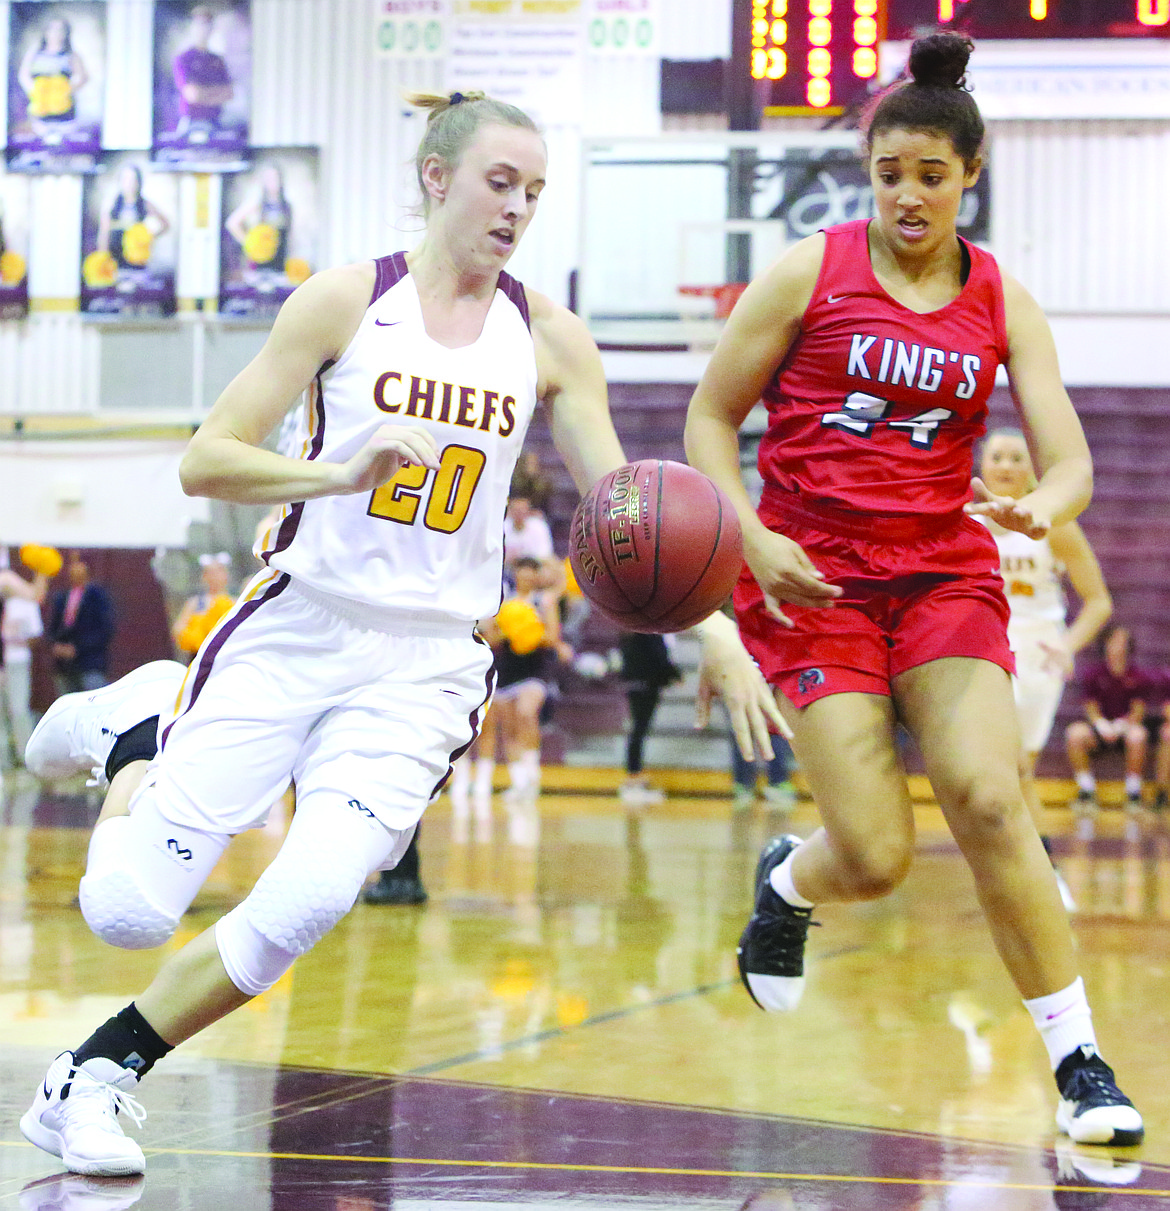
(1039, 682)
(288, 688)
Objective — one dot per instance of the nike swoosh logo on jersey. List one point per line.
(387, 323)
(830, 298)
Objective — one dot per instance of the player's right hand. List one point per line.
(786, 574)
(389, 449)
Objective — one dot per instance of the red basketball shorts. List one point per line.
(904, 604)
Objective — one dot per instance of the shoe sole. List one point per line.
(1066, 1122)
(50, 1141)
(147, 674)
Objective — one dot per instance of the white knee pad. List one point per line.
(252, 962)
(141, 876)
(331, 849)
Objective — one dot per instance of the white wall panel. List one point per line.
(695, 29)
(129, 74)
(49, 364)
(1079, 213)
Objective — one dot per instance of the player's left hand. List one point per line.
(1007, 511)
(727, 671)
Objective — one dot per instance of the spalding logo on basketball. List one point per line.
(656, 546)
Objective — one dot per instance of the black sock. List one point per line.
(127, 1039)
(140, 743)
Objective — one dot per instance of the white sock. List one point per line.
(1086, 782)
(782, 885)
(1064, 1020)
(485, 767)
(530, 759)
(1133, 784)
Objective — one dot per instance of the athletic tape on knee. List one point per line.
(141, 876)
(252, 962)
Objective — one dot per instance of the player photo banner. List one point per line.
(202, 85)
(56, 85)
(269, 243)
(14, 207)
(128, 244)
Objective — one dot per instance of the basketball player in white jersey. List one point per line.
(1044, 647)
(350, 664)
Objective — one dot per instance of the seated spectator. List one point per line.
(1162, 753)
(1116, 695)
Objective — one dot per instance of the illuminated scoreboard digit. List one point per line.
(814, 56)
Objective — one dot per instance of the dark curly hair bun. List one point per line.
(940, 60)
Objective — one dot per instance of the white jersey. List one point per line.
(1031, 577)
(429, 543)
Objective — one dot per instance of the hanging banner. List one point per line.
(56, 85)
(269, 243)
(14, 207)
(128, 244)
(202, 85)
(411, 29)
(529, 53)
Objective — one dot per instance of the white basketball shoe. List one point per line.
(78, 731)
(74, 1116)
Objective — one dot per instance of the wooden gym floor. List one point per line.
(562, 1024)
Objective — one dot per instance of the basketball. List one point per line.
(656, 546)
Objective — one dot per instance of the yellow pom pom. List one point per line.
(99, 270)
(572, 588)
(297, 270)
(45, 560)
(51, 97)
(521, 626)
(201, 624)
(136, 243)
(261, 243)
(12, 268)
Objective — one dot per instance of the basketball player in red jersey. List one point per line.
(351, 663)
(873, 598)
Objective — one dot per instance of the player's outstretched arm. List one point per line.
(224, 459)
(1072, 548)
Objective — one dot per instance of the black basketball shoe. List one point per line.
(1092, 1109)
(771, 949)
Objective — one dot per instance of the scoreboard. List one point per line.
(813, 57)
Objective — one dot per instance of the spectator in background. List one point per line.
(200, 613)
(530, 481)
(647, 670)
(81, 627)
(20, 623)
(526, 534)
(1162, 753)
(777, 790)
(1116, 695)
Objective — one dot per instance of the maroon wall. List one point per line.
(140, 611)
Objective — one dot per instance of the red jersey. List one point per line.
(876, 409)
